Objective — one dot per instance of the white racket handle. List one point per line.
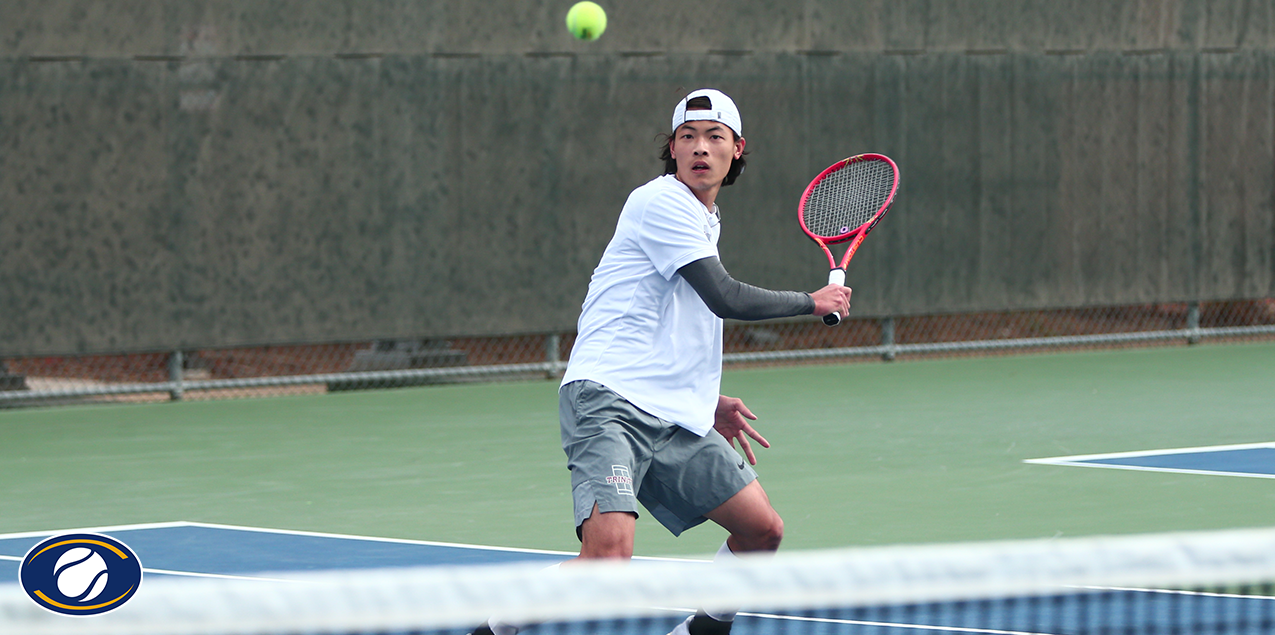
(836, 276)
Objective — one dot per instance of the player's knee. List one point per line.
(607, 549)
(607, 545)
(774, 534)
(762, 536)
(607, 535)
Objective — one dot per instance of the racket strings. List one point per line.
(847, 198)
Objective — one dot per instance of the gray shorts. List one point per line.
(619, 456)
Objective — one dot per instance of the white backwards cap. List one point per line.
(721, 109)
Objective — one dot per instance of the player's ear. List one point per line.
(739, 147)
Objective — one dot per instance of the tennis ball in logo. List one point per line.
(81, 574)
(586, 21)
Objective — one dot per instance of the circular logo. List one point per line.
(80, 574)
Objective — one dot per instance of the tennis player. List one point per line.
(641, 417)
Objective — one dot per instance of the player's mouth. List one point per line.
(699, 167)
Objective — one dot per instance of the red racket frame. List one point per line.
(837, 273)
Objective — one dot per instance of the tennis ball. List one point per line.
(81, 574)
(586, 21)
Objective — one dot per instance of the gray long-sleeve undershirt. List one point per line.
(729, 298)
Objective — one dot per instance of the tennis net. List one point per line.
(1209, 582)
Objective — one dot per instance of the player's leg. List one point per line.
(608, 535)
(607, 441)
(753, 524)
(602, 535)
(603, 439)
(694, 479)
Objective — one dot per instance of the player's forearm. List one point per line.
(729, 298)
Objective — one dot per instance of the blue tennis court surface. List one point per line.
(1255, 460)
(204, 550)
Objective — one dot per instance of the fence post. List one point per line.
(1193, 323)
(887, 338)
(552, 342)
(175, 362)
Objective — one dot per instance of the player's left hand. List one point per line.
(731, 421)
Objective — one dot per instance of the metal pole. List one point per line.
(887, 339)
(1193, 323)
(552, 343)
(175, 362)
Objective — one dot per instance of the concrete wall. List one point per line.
(131, 28)
(187, 174)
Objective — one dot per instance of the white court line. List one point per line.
(95, 530)
(402, 541)
(1202, 594)
(833, 620)
(982, 631)
(987, 631)
(218, 576)
(1138, 453)
(923, 627)
(187, 574)
(1086, 460)
(265, 530)
(405, 541)
(315, 534)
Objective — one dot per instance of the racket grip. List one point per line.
(836, 276)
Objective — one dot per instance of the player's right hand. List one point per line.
(833, 298)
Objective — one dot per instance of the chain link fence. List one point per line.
(320, 368)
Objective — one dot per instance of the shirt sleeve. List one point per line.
(672, 233)
(729, 298)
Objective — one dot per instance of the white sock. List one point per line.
(723, 554)
(504, 628)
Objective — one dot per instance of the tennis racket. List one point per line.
(843, 204)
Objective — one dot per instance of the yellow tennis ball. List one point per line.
(586, 21)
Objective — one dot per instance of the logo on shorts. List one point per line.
(621, 480)
(80, 574)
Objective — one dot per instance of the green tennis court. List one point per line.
(915, 451)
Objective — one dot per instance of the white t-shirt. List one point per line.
(644, 332)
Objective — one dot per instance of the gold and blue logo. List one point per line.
(80, 574)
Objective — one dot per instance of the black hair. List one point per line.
(670, 164)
